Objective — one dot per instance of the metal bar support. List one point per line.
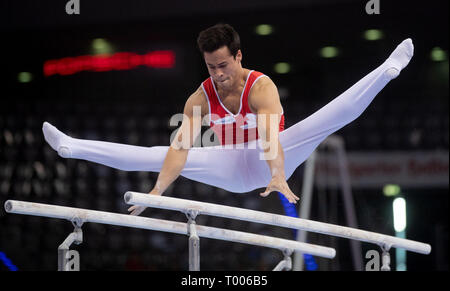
(194, 241)
(286, 263)
(69, 260)
(385, 257)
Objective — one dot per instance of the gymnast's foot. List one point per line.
(57, 140)
(399, 58)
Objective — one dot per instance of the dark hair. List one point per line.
(218, 36)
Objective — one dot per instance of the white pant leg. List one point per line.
(214, 166)
(301, 139)
(119, 156)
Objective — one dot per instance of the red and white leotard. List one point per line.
(234, 128)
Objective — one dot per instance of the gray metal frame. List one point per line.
(337, 144)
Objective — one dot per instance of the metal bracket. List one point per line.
(69, 260)
(77, 221)
(286, 263)
(191, 214)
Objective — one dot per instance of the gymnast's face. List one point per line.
(223, 67)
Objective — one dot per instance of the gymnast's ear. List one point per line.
(238, 56)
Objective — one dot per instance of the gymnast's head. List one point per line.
(220, 46)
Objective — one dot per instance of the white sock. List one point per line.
(57, 140)
(399, 58)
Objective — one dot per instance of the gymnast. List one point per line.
(239, 105)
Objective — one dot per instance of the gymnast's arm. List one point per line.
(176, 156)
(184, 139)
(264, 99)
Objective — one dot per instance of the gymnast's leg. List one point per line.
(205, 165)
(114, 155)
(301, 139)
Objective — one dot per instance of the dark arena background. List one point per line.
(119, 70)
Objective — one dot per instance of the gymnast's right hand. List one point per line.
(137, 209)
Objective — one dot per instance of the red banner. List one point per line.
(102, 63)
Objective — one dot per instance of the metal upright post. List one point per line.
(194, 241)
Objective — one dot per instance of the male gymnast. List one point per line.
(239, 104)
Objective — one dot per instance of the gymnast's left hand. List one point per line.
(278, 183)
